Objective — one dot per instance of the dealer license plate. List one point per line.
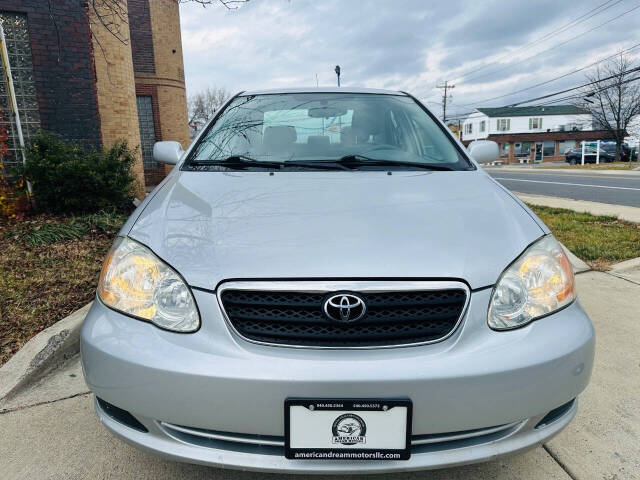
(347, 429)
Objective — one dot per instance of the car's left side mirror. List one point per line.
(483, 151)
(167, 152)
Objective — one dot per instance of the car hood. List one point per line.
(214, 226)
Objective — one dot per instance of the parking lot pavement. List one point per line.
(50, 431)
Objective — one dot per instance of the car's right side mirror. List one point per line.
(167, 152)
(483, 151)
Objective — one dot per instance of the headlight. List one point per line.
(136, 282)
(539, 282)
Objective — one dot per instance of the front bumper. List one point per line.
(215, 381)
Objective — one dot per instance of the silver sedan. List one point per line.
(327, 282)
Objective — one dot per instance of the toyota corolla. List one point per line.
(327, 281)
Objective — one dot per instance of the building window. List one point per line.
(483, 126)
(535, 123)
(468, 128)
(548, 148)
(147, 130)
(503, 124)
(522, 150)
(504, 150)
(19, 49)
(565, 145)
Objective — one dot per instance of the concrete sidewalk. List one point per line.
(50, 430)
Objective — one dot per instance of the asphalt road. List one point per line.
(617, 189)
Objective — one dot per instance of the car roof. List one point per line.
(322, 90)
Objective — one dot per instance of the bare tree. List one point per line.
(113, 15)
(613, 97)
(204, 104)
(230, 4)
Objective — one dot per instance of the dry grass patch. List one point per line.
(598, 240)
(49, 268)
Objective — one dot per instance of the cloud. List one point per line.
(403, 44)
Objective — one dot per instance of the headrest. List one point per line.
(279, 137)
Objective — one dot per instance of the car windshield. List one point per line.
(326, 127)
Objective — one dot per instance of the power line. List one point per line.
(574, 22)
(555, 46)
(560, 92)
(637, 45)
(582, 95)
(636, 69)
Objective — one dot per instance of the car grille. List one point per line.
(297, 318)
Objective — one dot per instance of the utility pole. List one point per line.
(446, 87)
(337, 70)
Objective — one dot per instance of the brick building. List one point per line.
(74, 78)
(532, 134)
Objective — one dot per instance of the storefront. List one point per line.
(543, 146)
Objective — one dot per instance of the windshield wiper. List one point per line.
(348, 162)
(355, 161)
(238, 161)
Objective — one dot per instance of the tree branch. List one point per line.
(230, 4)
(615, 90)
(113, 15)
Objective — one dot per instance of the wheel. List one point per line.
(572, 161)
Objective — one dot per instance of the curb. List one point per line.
(578, 265)
(45, 352)
(622, 212)
(626, 266)
(628, 270)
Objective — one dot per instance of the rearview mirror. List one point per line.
(326, 112)
(483, 151)
(167, 152)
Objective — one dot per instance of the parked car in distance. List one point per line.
(625, 151)
(327, 282)
(574, 156)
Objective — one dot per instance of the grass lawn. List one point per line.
(49, 268)
(598, 240)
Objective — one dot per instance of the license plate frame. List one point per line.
(348, 409)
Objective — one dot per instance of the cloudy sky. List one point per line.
(487, 49)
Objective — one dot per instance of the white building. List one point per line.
(554, 118)
(536, 133)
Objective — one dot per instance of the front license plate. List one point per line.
(347, 429)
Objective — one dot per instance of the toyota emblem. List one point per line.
(344, 307)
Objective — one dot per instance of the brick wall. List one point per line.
(141, 36)
(166, 85)
(167, 44)
(63, 67)
(116, 93)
